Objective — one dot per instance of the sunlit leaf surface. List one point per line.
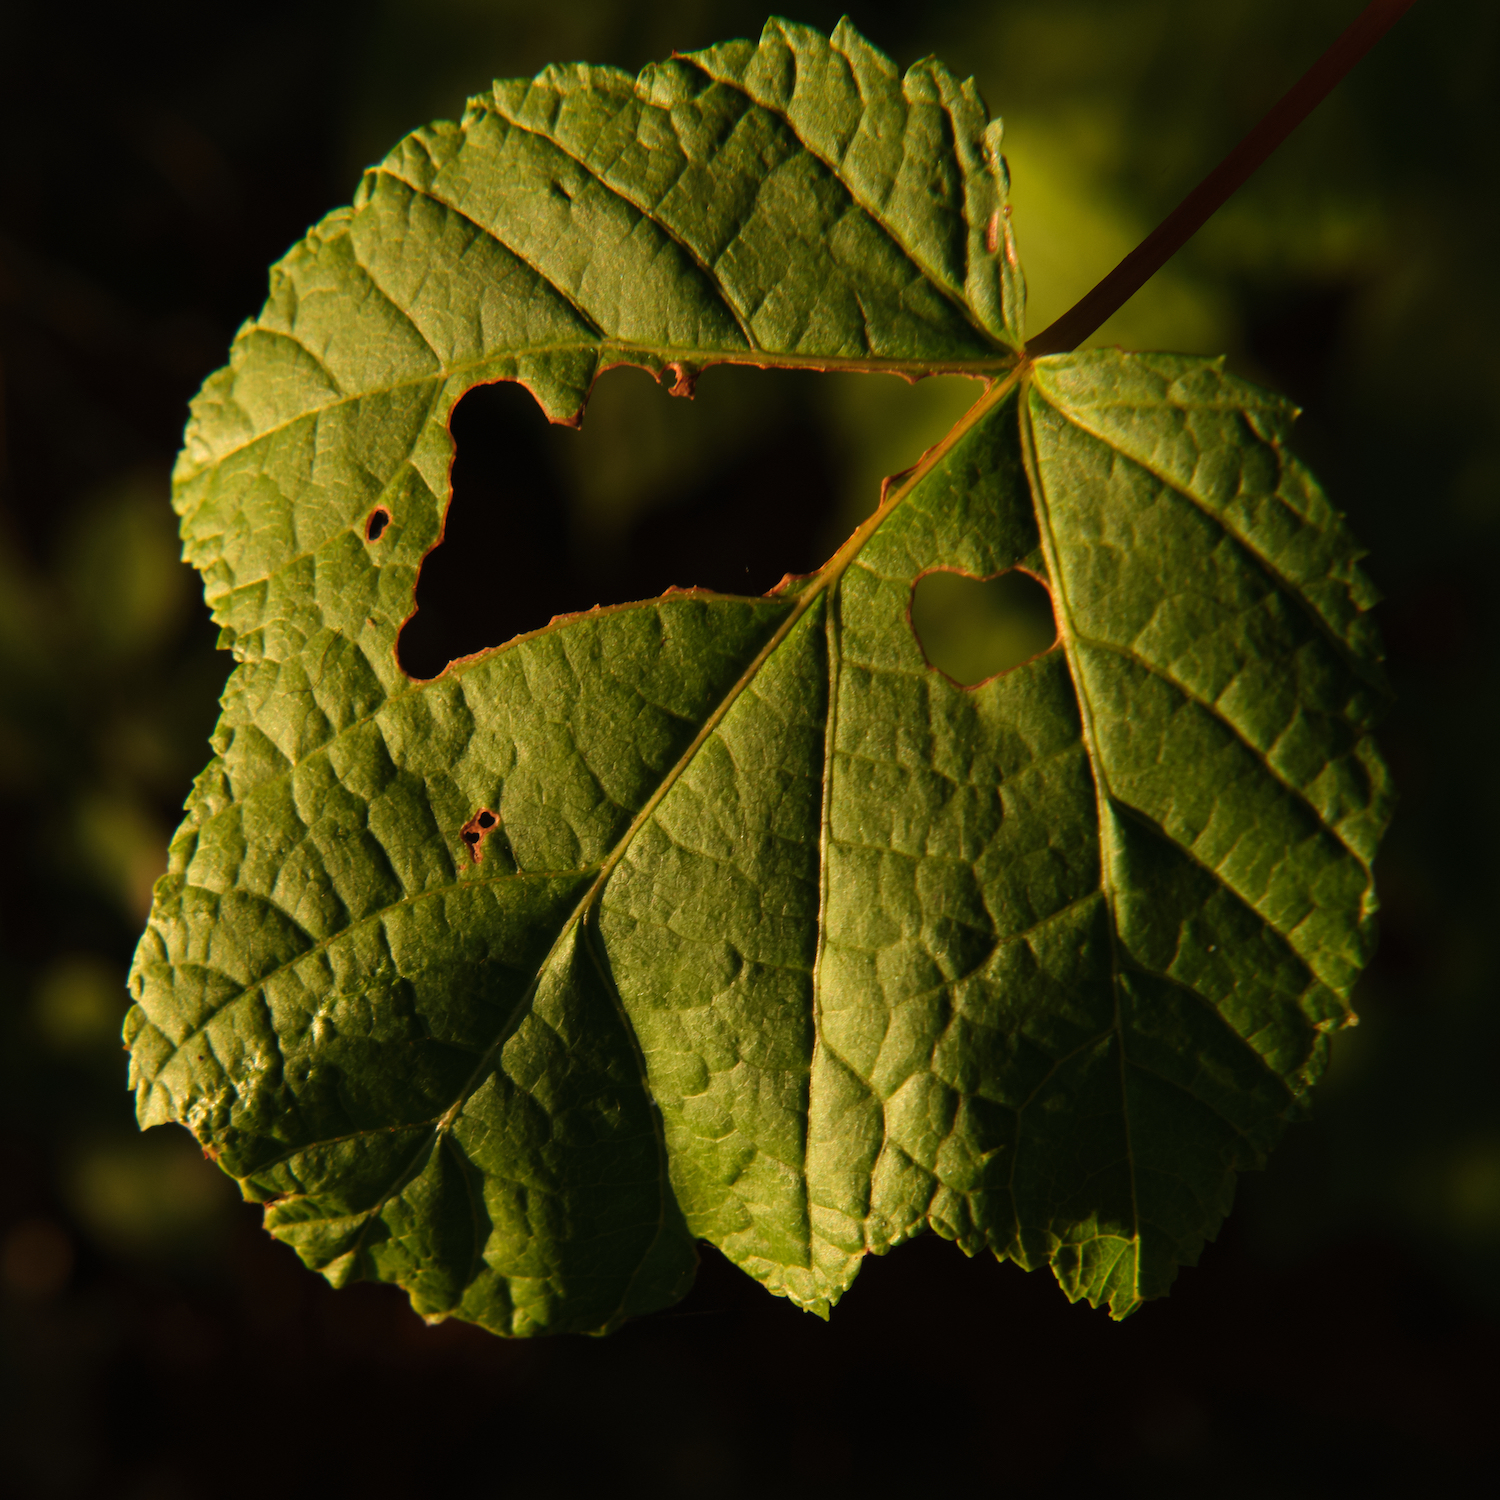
(727, 918)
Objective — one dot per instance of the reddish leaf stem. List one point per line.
(1209, 196)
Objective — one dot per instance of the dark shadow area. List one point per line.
(728, 492)
(972, 629)
(1298, 336)
(1021, 1392)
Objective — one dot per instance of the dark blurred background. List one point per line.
(1344, 1331)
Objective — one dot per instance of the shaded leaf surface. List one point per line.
(763, 932)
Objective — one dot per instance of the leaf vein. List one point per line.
(647, 212)
(873, 212)
(1102, 795)
(1219, 716)
(252, 987)
(1279, 580)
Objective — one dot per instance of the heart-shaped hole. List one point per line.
(972, 629)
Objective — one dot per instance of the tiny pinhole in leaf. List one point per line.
(380, 518)
(973, 629)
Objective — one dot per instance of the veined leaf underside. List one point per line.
(775, 937)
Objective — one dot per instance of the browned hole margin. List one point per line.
(379, 519)
(476, 830)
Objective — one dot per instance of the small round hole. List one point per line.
(380, 518)
(972, 629)
(486, 818)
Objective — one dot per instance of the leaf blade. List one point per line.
(781, 939)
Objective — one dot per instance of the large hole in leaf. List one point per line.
(763, 473)
(972, 629)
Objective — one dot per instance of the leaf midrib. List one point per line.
(1102, 793)
(1110, 805)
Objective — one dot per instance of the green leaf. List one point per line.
(726, 918)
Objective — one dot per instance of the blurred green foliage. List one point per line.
(167, 157)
